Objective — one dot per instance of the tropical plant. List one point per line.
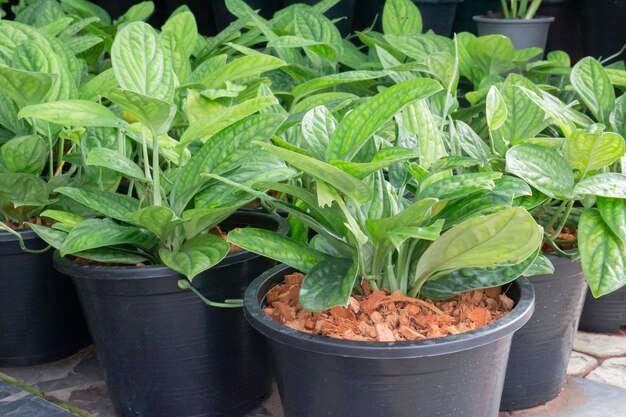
(520, 9)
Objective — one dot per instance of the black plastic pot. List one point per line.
(343, 10)
(458, 376)
(606, 314)
(40, 317)
(541, 349)
(164, 351)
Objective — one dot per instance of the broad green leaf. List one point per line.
(482, 242)
(492, 54)
(496, 109)
(364, 120)
(140, 63)
(209, 125)
(25, 87)
(461, 185)
(398, 236)
(553, 108)
(98, 233)
(318, 125)
(618, 116)
(328, 284)
(417, 214)
(25, 154)
(331, 100)
(112, 256)
(613, 212)
(116, 206)
(484, 202)
(52, 237)
(617, 76)
(512, 186)
(343, 182)
(155, 114)
(158, 219)
(196, 255)
(23, 190)
(316, 27)
(79, 44)
(226, 151)
(244, 67)
(111, 159)
(421, 47)
(588, 152)
(471, 143)
(137, 13)
(98, 86)
(524, 119)
(278, 247)
(197, 220)
(594, 87)
(401, 17)
(382, 159)
(541, 168)
(68, 219)
(602, 254)
(72, 113)
(541, 266)
(420, 121)
(185, 29)
(467, 279)
(86, 8)
(332, 80)
(177, 55)
(612, 185)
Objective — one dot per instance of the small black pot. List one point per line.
(541, 349)
(458, 376)
(606, 314)
(40, 317)
(164, 351)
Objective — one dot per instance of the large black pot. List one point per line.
(606, 314)
(458, 376)
(40, 317)
(164, 351)
(541, 349)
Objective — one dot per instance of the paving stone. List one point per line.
(581, 364)
(23, 404)
(580, 398)
(611, 371)
(600, 345)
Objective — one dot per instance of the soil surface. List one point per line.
(380, 316)
(568, 233)
(24, 226)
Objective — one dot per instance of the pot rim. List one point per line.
(537, 20)
(26, 234)
(280, 333)
(131, 272)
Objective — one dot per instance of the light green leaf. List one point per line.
(138, 12)
(612, 185)
(158, 219)
(524, 119)
(70, 220)
(398, 236)
(594, 87)
(401, 17)
(364, 120)
(52, 237)
(72, 113)
(155, 114)
(98, 85)
(588, 152)
(25, 154)
(613, 212)
(244, 67)
(278, 247)
(382, 159)
(184, 28)
(328, 284)
(23, 190)
(420, 121)
(542, 168)
(116, 206)
(471, 143)
(602, 254)
(332, 80)
(417, 214)
(98, 233)
(111, 159)
(196, 255)
(458, 186)
(496, 109)
(318, 125)
(25, 87)
(196, 221)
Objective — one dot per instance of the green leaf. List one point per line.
(417, 214)
(112, 256)
(318, 125)
(138, 12)
(420, 121)
(471, 143)
(209, 125)
(398, 236)
(316, 27)
(612, 185)
(492, 54)
(25, 154)
(158, 219)
(196, 221)
(116, 206)
(613, 212)
(364, 120)
(421, 47)
(196, 255)
(98, 233)
(480, 203)
(140, 63)
(482, 242)
(588, 152)
(52, 237)
(328, 284)
(618, 117)
(594, 87)
(156, 114)
(461, 185)
(447, 285)
(72, 113)
(278, 247)
(401, 17)
(25, 87)
(553, 108)
(343, 182)
(384, 158)
(185, 29)
(111, 159)
(524, 119)
(541, 266)
(86, 8)
(70, 220)
(496, 109)
(332, 80)
(541, 168)
(98, 85)
(512, 186)
(23, 190)
(244, 67)
(602, 254)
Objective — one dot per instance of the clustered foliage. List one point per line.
(421, 163)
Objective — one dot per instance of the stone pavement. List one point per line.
(596, 388)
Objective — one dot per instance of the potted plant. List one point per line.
(370, 237)
(132, 255)
(518, 22)
(564, 171)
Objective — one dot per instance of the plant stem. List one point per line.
(523, 6)
(156, 171)
(514, 8)
(555, 216)
(568, 210)
(530, 14)
(50, 153)
(505, 9)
